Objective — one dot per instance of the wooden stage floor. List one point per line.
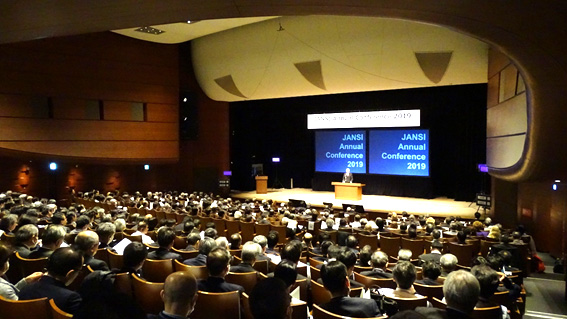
(438, 207)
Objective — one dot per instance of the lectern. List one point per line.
(261, 184)
(351, 191)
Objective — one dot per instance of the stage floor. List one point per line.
(438, 207)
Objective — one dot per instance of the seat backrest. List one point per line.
(371, 281)
(261, 266)
(247, 280)
(57, 313)
(437, 303)
(180, 242)
(247, 231)
(8, 239)
(186, 254)
(410, 303)
(463, 252)
(314, 262)
(281, 232)
(157, 270)
(232, 227)
(319, 294)
(416, 246)
(262, 229)
(28, 309)
(485, 246)
(429, 291)
(315, 273)
(220, 226)
(123, 283)
(224, 305)
(115, 260)
(137, 238)
(29, 266)
(390, 245)
(102, 254)
(320, 313)
(200, 272)
(487, 313)
(364, 240)
(147, 294)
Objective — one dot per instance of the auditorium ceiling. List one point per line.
(530, 33)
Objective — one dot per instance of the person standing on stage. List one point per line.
(347, 177)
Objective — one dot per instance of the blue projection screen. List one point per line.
(337, 150)
(399, 152)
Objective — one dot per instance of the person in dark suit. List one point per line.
(263, 242)
(106, 232)
(489, 281)
(347, 176)
(134, 257)
(250, 251)
(379, 261)
(335, 280)
(179, 296)
(431, 272)
(348, 258)
(52, 238)
(26, 240)
(87, 242)
(206, 245)
(273, 238)
(63, 267)
(434, 255)
(461, 290)
(505, 245)
(218, 265)
(193, 241)
(270, 300)
(165, 239)
(448, 264)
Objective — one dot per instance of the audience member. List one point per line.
(434, 255)
(193, 241)
(63, 267)
(218, 265)
(87, 243)
(133, 259)
(270, 299)
(431, 273)
(106, 232)
(448, 264)
(249, 254)
(336, 281)
(379, 261)
(26, 240)
(7, 289)
(206, 245)
(179, 296)
(404, 274)
(165, 239)
(488, 280)
(51, 239)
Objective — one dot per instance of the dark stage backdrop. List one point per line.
(455, 116)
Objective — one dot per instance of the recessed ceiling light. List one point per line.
(150, 30)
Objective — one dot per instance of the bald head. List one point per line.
(179, 293)
(87, 242)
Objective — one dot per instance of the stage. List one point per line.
(438, 207)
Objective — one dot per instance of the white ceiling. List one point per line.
(182, 32)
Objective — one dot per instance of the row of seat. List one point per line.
(31, 309)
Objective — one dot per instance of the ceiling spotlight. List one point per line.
(150, 30)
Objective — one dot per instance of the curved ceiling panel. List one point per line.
(311, 55)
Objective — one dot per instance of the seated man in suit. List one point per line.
(63, 267)
(206, 245)
(461, 290)
(434, 255)
(87, 243)
(273, 238)
(263, 242)
(134, 257)
(179, 296)
(348, 258)
(106, 232)
(489, 281)
(335, 280)
(270, 300)
(404, 275)
(249, 254)
(51, 239)
(193, 240)
(448, 264)
(165, 239)
(379, 261)
(26, 240)
(218, 265)
(431, 273)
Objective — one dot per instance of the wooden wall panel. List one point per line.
(70, 109)
(497, 61)
(117, 111)
(132, 150)
(23, 106)
(162, 112)
(76, 72)
(18, 129)
(505, 151)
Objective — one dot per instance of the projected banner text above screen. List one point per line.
(337, 150)
(399, 152)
